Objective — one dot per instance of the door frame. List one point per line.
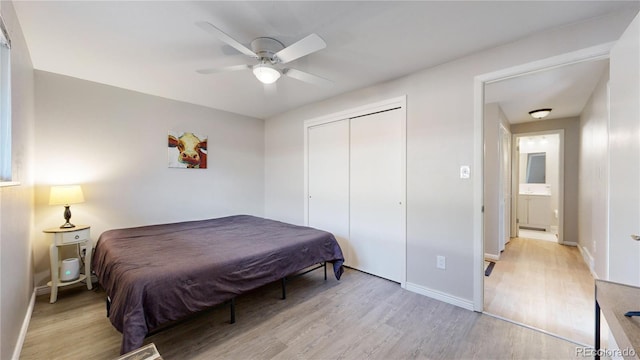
(505, 214)
(384, 105)
(515, 172)
(588, 54)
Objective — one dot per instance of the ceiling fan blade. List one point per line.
(223, 69)
(210, 28)
(308, 78)
(306, 46)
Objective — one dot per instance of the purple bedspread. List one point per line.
(161, 273)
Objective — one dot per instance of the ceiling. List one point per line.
(565, 89)
(154, 47)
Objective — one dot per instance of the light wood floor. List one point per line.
(545, 285)
(358, 317)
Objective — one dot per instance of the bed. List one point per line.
(158, 274)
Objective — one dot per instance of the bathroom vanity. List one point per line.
(534, 211)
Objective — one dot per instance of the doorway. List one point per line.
(529, 267)
(538, 185)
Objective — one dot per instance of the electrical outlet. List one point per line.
(441, 262)
(83, 250)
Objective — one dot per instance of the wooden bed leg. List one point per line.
(284, 288)
(233, 311)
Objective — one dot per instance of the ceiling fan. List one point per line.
(270, 54)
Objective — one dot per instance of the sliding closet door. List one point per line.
(376, 195)
(328, 179)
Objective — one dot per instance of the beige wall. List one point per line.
(594, 163)
(16, 202)
(114, 143)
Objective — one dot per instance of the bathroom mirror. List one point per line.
(536, 163)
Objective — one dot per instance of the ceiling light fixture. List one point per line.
(266, 73)
(540, 113)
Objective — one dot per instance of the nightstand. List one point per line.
(63, 237)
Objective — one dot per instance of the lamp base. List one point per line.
(67, 217)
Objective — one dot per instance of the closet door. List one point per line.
(377, 230)
(328, 179)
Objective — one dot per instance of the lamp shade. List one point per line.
(65, 195)
(266, 74)
(539, 113)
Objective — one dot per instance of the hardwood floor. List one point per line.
(358, 317)
(545, 285)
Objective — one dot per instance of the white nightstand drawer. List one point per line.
(73, 236)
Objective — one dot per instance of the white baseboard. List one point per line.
(491, 257)
(588, 259)
(24, 328)
(42, 290)
(434, 294)
(570, 243)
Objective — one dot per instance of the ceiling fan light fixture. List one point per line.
(266, 74)
(540, 113)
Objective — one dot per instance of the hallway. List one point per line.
(544, 285)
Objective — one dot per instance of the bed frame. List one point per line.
(232, 302)
(155, 276)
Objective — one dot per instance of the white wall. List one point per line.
(114, 143)
(16, 202)
(440, 139)
(593, 195)
(624, 157)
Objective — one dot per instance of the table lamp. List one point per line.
(66, 195)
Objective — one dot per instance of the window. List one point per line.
(5, 104)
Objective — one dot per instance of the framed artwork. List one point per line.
(187, 150)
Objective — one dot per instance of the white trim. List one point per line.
(9, 183)
(25, 327)
(42, 290)
(588, 259)
(478, 193)
(438, 295)
(591, 53)
(536, 329)
(491, 257)
(570, 243)
(388, 104)
(358, 111)
(597, 52)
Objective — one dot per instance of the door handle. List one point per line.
(635, 237)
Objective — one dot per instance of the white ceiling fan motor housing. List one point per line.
(266, 48)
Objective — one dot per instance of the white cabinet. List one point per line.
(534, 211)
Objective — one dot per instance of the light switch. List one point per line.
(465, 172)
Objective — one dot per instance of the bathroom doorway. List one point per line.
(538, 179)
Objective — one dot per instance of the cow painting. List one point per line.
(187, 150)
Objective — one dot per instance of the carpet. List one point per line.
(488, 267)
